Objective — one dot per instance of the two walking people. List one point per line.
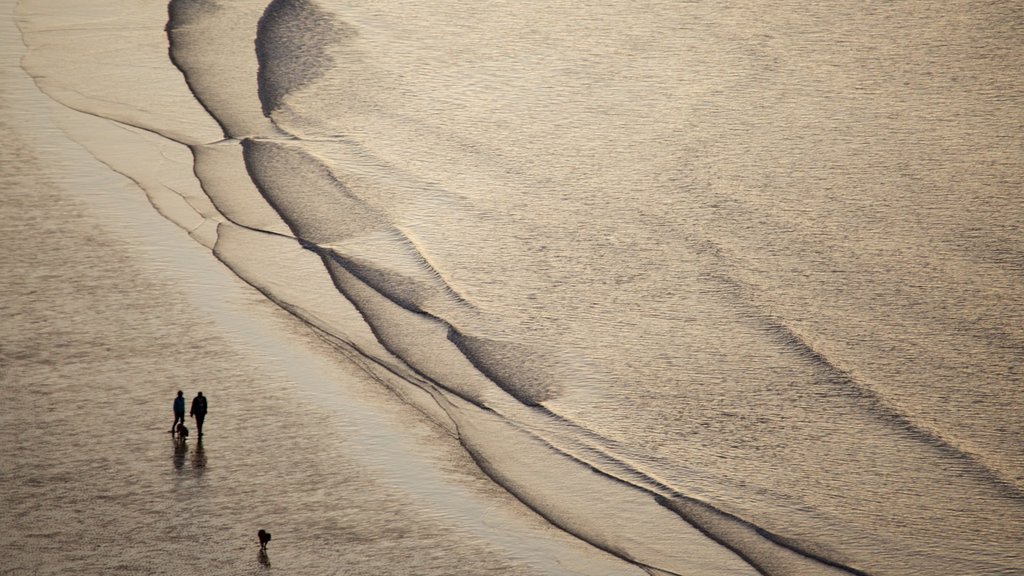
(198, 411)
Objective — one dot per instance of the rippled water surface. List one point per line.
(712, 288)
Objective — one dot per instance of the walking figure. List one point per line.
(264, 537)
(179, 411)
(198, 411)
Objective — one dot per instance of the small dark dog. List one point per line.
(182, 432)
(264, 537)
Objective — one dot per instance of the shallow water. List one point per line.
(749, 271)
(108, 311)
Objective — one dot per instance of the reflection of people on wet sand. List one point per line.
(199, 456)
(179, 410)
(198, 411)
(180, 451)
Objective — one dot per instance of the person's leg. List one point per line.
(199, 423)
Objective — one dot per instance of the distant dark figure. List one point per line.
(179, 411)
(264, 537)
(198, 411)
(182, 432)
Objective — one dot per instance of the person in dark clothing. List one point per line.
(179, 411)
(198, 412)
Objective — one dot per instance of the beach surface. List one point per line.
(108, 310)
(662, 288)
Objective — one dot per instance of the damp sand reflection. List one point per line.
(195, 455)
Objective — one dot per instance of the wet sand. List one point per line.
(108, 310)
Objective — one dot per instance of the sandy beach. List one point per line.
(108, 310)
(547, 288)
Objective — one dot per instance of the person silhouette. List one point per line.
(179, 411)
(198, 411)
